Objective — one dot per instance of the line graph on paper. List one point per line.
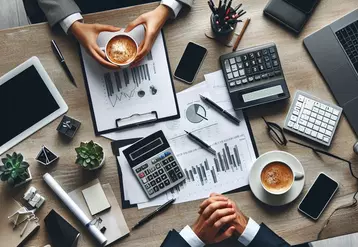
(129, 83)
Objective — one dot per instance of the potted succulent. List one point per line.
(15, 170)
(90, 155)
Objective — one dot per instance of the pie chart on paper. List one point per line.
(196, 113)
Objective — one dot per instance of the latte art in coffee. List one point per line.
(277, 177)
(121, 49)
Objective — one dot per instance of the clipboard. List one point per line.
(121, 143)
(133, 119)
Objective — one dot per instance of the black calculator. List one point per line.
(154, 164)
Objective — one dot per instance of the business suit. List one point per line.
(57, 10)
(264, 238)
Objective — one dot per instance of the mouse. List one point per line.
(355, 148)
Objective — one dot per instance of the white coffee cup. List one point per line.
(295, 176)
(128, 63)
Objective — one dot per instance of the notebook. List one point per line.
(112, 218)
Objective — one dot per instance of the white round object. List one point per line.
(255, 181)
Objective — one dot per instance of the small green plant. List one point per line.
(14, 170)
(89, 155)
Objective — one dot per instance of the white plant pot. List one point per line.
(26, 181)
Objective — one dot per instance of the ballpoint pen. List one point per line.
(237, 7)
(220, 110)
(153, 214)
(200, 142)
(60, 58)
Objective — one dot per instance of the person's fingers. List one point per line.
(225, 235)
(209, 210)
(147, 44)
(99, 51)
(134, 23)
(109, 28)
(101, 60)
(211, 200)
(219, 214)
(215, 194)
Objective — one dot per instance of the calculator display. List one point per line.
(147, 148)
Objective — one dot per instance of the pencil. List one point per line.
(247, 22)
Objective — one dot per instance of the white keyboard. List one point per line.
(313, 118)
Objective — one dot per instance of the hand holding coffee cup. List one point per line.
(121, 50)
(277, 177)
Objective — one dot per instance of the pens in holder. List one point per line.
(223, 18)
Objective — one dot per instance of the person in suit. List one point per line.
(219, 219)
(67, 13)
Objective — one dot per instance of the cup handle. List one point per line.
(298, 176)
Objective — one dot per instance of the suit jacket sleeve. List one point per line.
(174, 239)
(266, 237)
(57, 10)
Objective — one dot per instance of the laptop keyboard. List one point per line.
(348, 37)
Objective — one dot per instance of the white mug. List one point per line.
(296, 176)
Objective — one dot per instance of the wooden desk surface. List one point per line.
(17, 45)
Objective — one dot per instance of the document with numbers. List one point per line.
(130, 97)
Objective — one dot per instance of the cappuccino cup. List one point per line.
(121, 50)
(278, 177)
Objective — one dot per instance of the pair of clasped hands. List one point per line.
(219, 219)
(153, 21)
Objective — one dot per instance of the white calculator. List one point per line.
(313, 118)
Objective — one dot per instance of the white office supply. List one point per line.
(29, 100)
(130, 97)
(313, 118)
(204, 172)
(96, 199)
(51, 182)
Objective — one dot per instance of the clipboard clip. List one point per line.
(136, 120)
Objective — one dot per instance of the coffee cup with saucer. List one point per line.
(280, 197)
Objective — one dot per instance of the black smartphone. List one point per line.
(190, 62)
(306, 6)
(318, 196)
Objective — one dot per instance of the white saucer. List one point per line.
(259, 191)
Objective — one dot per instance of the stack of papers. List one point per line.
(205, 173)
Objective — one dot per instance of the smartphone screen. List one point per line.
(304, 5)
(318, 196)
(190, 62)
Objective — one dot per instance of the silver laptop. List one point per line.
(334, 49)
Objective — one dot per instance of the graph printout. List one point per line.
(118, 94)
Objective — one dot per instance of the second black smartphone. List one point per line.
(190, 62)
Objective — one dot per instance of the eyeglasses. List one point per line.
(346, 206)
(276, 133)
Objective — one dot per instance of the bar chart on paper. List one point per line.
(129, 83)
(226, 171)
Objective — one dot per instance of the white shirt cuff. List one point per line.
(174, 5)
(249, 233)
(191, 238)
(69, 20)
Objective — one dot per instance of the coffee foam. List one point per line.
(277, 177)
(121, 49)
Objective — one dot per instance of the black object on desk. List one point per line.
(68, 126)
(219, 109)
(292, 14)
(154, 213)
(254, 76)
(201, 143)
(60, 58)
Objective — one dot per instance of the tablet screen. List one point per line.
(24, 101)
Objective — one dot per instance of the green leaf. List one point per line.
(8, 156)
(88, 160)
(5, 177)
(24, 165)
(20, 158)
(14, 174)
(4, 160)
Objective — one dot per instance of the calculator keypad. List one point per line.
(313, 118)
(159, 174)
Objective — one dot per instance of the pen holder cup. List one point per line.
(221, 29)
